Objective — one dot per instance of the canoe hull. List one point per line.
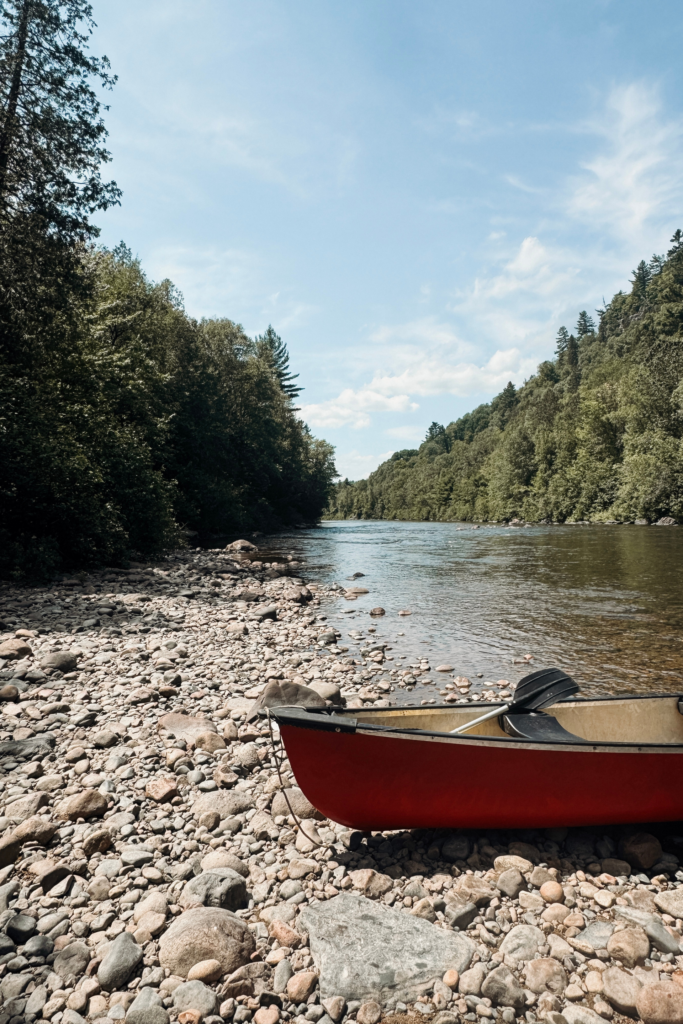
(379, 781)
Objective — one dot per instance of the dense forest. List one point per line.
(596, 434)
(124, 422)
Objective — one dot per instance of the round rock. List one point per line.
(120, 963)
(205, 933)
(660, 1003)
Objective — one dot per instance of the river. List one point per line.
(604, 603)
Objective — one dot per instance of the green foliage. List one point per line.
(122, 420)
(272, 349)
(137, 421)
(596, 434)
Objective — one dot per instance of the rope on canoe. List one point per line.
(284, 790)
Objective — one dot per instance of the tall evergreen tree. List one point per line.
(584, 324)
(271, 347)
(641, 278)
(51, 149)
(676, 243)
(561, 340)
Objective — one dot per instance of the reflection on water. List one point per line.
(603, 603)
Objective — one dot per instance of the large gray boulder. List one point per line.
(366, 950)
(206, 933)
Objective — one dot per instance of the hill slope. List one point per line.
(596, 434)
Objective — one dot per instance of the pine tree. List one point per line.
(51, 132)
(435, 430)
(584, 324)
(641, 278)
(561, 341)
(271, 347)
(51, 151)
(676, 243)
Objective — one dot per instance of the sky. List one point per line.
(415, 195)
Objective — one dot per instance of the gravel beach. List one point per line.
(150, 870)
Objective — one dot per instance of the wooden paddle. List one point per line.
(533, 692)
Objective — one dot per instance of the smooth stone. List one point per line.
(88, 804)
(653, 926)
(631, 946)
(545, 975)
(225, 802)
(511, 883)
(471, 981)
(620, 989)
(281, 975)
(120, 962)
(576, 1014)
(660, 1003)
(301, 805)
(366, 950)
(641, 850)
(522, 942)
(194, 995)
(218, 887)
(503, 989)
(147, 1008)
(205, 970)
(597, 934)
(73, 959)
(224, 859)
(670, 902)
(205, 933)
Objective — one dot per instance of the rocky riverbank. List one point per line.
(150, 870)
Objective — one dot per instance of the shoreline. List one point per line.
(139, 812)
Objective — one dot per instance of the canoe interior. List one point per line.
(615, 720)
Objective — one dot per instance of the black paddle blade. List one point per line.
(543, 688)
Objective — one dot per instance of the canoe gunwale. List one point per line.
(339, 720)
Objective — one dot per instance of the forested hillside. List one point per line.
(596, 434)
(123, 421)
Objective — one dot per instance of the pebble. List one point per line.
(134, 792)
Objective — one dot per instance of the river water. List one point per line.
(604, 603)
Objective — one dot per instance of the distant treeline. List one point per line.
(123, 421)
(596, 434)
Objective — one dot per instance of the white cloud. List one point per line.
(354, 466)
(353, 408)
(406, 433)
(637, 177)
(429, 376)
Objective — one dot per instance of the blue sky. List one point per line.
(415, 195)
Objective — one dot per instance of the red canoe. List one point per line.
(581, 762)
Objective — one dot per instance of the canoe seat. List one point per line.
(536, 726)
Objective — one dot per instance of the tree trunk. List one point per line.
(8, 127)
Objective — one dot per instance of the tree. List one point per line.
(51, 133)
(676, 243)
(584, 324)
(272, 348)
(561, 340)
(435, 431)
(641, 278)
(51, 151)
